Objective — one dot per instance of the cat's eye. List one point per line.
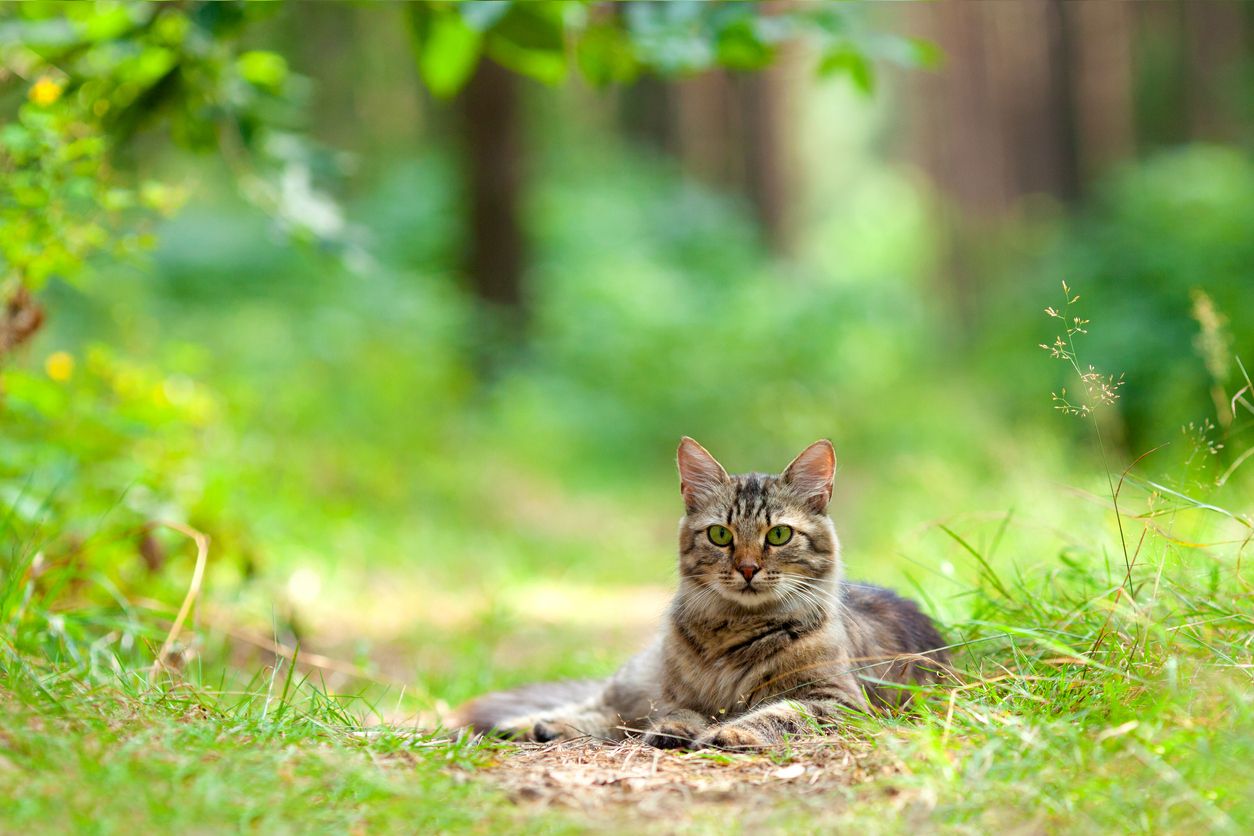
(719, 535)
(779, 535)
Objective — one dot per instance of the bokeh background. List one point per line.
(424, 387)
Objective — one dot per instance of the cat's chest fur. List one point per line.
(723, 667)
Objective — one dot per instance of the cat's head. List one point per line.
(756, 540)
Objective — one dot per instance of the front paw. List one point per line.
(517, 730)
(553, 729)
(535, 730)
(732, 738)
(673, 735)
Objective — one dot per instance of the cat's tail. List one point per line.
(501, 709)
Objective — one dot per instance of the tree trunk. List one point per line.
(1216, 41)
(727, 130)
(767, 157)
(647, 114)
(708, 128)
(1161, 92)
(1059, 106)
(492, 148)
(1102, 38)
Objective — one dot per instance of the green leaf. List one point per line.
(605, 56)
(547, 67)
(847, 60)
(926, 54)
(16, 138)
(531, 39)
(151, 65)
(446, 48)
(107, 22)
(170, 27)
(536, 26)
(263, 69)
(739, 47)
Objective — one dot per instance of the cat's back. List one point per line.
(891, 640)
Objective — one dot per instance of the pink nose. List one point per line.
(748, 570)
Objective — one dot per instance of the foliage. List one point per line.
(1088, 688)
(616, 42)
(1156, 235)
(56, 211)
(90, 86)
(1083, 688)
(1163, 259)
(94, 458)
(411, 535)
(89, 78)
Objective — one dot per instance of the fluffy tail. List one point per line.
(496, 710)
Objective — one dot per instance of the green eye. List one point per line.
(719, 535)
(779, 535)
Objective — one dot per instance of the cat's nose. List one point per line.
(748, 570)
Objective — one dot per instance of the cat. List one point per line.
(763, 639)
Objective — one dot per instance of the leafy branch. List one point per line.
(79, 81)
(614, 43)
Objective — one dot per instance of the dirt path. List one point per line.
(591, 776)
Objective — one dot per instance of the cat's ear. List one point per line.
(700, 474)
(811, 474)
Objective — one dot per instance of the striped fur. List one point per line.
(761, 641)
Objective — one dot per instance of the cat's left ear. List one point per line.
(811, 474)
(701, 477)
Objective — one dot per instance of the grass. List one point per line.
(184, 760)
(1103, 653)
(410, 556)
(1092, 696)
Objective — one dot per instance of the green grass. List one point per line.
(432, 535)
(1092, 697)
(1105, 662)
(107, 761)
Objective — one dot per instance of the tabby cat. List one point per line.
(763, 639)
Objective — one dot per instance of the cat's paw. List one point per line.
(732, 738)
(576, 726)
(534, 729)
(518, 730)
(553, 729)
(673, 735)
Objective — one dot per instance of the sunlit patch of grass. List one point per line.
(1087, 684)
(93, 738)
(1079, 704)
(191, 761)
(1103, 644)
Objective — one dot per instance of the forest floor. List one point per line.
(1098, 690)
(600, 779)
(1149, 728)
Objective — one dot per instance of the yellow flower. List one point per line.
(59, 366)
(45, 91)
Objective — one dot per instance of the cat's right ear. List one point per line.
(700, 474)
(811, 474)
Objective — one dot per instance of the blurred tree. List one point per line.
(1040, 99)
(767, 154)
(458, 47)
(727, 128)
(492, 144)
(91, 90)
